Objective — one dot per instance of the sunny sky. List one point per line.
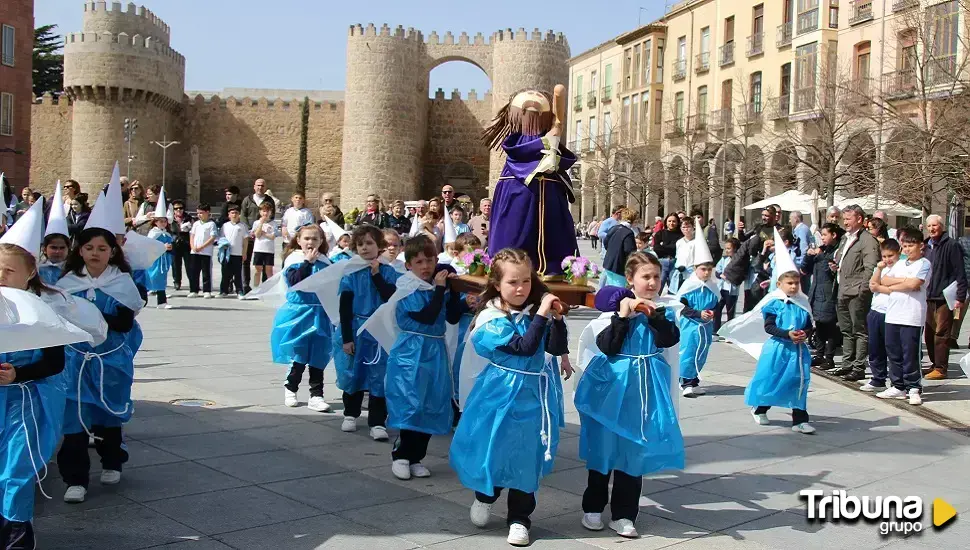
(301, 44)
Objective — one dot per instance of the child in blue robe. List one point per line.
(626, 397)
(302, 332)
(699, 295)
(419, 386)
(157, 274)
(511, 394)
(55, 248)
(465, 243)
(96, 270)
(360, 362)
(343, 250)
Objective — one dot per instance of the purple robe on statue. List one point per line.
(530, 211)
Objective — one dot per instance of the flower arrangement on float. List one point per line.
(578, 270)
(477, 262)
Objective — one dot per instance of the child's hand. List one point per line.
(881, 265)
(311, 255)
(349, 348)
(707, 315)
(375, 266)
(566, 366)
(441, 277)
(7, 374)
(472, 301)
(168, 247)
(797, 336)
(626, 306)
(545, 306)
(764, 284)
(768, 245)
(833, 266)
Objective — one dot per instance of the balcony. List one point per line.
(756, 44)
(782, 107)
(679, 68)
(752, 114)
(591, 99)
(702, 62)
(861, 11)
(784, 35)
(606, 94)
(697, 123)
(899, 84)
(900, 5)
(726, 54)
(807, 21)
(721, 120)
(674, 128)
(804, 99)
(860, 91)
(941, 70)
(6, 128)
(578, 102)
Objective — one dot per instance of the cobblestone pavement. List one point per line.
(247, 472)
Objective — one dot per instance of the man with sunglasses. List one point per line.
(448, 196)
(338, 215)
(181, 227)
(71, 190)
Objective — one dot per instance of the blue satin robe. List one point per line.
(156, 276)
(302, 331)
(696, 336)
(783, 373)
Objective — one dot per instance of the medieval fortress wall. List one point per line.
(386, 136)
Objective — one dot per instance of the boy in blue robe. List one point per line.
(157, 274)
(699, 295)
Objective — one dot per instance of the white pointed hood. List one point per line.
(162, 209)
(783, 259)
(702, 252)
(57, 221)
(451, 234)
(26, 232)
(334, 228)
(107, 213)
(415, 225)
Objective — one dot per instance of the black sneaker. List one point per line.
(854, 376)
(818, 361)
(841, 371)
(828, 365)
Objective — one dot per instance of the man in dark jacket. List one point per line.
(946, 259)
(665, 245)
(181, 227)
(398, 220)
(232, 199)
(619, 244)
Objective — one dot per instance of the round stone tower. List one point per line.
(121, 66)
(525, 60)
(385, 114)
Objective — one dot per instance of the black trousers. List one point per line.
(827, 333)
(296, 376)
(376, 410)
(797, 415)
(16, 535)
(411, 446)
(625, 503)
(247, 260)
(181, 256)
(749, 300)
(200, 264)
(73, 461)
(232, 276)
(161, 296)
(521, 505)
(727, 302)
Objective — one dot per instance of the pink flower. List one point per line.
(468, 258)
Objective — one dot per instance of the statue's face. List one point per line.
(532, 101)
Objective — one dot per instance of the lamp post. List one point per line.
(164, 144)
(131, 124)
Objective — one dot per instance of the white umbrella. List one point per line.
(890, 207)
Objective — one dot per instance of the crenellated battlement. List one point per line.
(49, 99)
(507, 35)
(101, 16)
(106, 42)
(372, 31)
(262, 103)
(471, 98)
(463, 39)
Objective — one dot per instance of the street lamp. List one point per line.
(131, 124)
(164, 144)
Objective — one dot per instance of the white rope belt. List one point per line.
(24, 399)
(642, 366)
(87, 357)
(435, 336)
(545, 430)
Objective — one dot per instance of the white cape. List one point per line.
(588, 348)
(113, 282)
(28, 323)
(383, 327)
(693, 283)
(326, 284)
(274, 288)
(141, 252)
(748, 330)
(80, 313)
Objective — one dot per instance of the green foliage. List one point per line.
(351, 217)
(304, 129)
(48, 61)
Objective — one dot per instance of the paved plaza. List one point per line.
(247, 472)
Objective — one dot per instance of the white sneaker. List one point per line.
(377, 433)
(914, 397)
(593, 522)
(869, 388)
(165, 306)
(419, 470)
(75, 494)
(192, 295)
(318, 404)
(110, 477)
(688, 392)
(803, 428)
(891, 393)
(208, 295)
(401, 469)
(759, 419)
(479, 513)
(624, 528)
(289, 398)
(349, 424)
(699, 390)
(518, 535)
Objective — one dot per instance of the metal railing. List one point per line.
(606, 93)
(721, 119)
(899, 84)
(702, 62)
(807, 21)
(752, 113)
(756, 44)
(591, 99)
(860, 90)
(697, 123)
(804, 100)
(679, 68)
(900, 5)
(784, 35)
(941, 70)
(6, 129)
(726, 53)
(578, 102)
(861, 11)
(782, 107)
(674, 128)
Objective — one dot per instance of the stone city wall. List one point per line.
(50, 142)
(454, 147)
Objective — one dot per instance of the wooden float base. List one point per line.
(573, 295)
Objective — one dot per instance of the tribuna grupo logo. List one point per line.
(893, 514)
